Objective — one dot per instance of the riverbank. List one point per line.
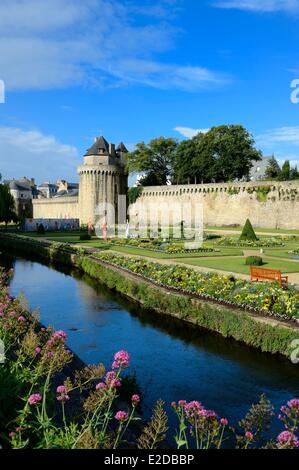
(267, 334)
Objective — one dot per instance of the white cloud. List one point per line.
(33, 154)
(62, 43)
(282, 142)
(189, 132)
(290, 6)
(281, 135)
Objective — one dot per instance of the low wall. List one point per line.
(56, 208)
(31, 225)
(266, 204)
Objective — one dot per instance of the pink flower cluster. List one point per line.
(34, 399)
(63, 393)
(101, 386)
(135, 400)
(121, 416)
(112, 380)
(294, 404)
(193, 409)
(288, 438)
(121, 359)
(249, 436)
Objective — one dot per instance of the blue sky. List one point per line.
(134, 70)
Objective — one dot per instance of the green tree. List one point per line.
(184, 159)
(7, 206)
(294, 173)
(232, 149)
(273, 169)
(194, 163)
(285, 174)
(248, 232)
(225, 153)
(156, 159)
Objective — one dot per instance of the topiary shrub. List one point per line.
(41, 229)
(254, 261)
(85, 237)
(248, 232)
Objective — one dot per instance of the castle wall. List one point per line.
(56, 208)
(266, 204)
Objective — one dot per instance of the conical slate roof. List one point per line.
(100, 144)
(122, 148)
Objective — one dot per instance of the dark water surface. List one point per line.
(171, 360)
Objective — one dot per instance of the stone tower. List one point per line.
(103, 178)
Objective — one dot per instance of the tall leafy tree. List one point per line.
(184, 160)
(7, 206)
(225, 153)
(285, 174)
(294, 173)
(193, 163)
(273, 169)
(156, 159)
(231, 148)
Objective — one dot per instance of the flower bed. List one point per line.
(266, 298)
(159, 246)
(261, 243)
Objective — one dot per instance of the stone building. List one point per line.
(23, 191)
(258, 170)
(103, 178)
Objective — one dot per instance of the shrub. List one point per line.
(254, 261)
(85, 237)
(248, 232)
(41, 229)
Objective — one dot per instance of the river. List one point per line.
(171, 360)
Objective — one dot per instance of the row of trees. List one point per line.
(7, 205)
(225, 153)
(285, 173)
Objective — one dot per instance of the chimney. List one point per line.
(112, 149)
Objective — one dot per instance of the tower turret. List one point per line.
(103, 178)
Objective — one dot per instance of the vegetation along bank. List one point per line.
(261, 315)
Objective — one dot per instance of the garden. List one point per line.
(268, 299)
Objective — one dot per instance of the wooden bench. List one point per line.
(265, 274)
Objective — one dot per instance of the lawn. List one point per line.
(237, 265)
(52, 235)
(282, 253)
